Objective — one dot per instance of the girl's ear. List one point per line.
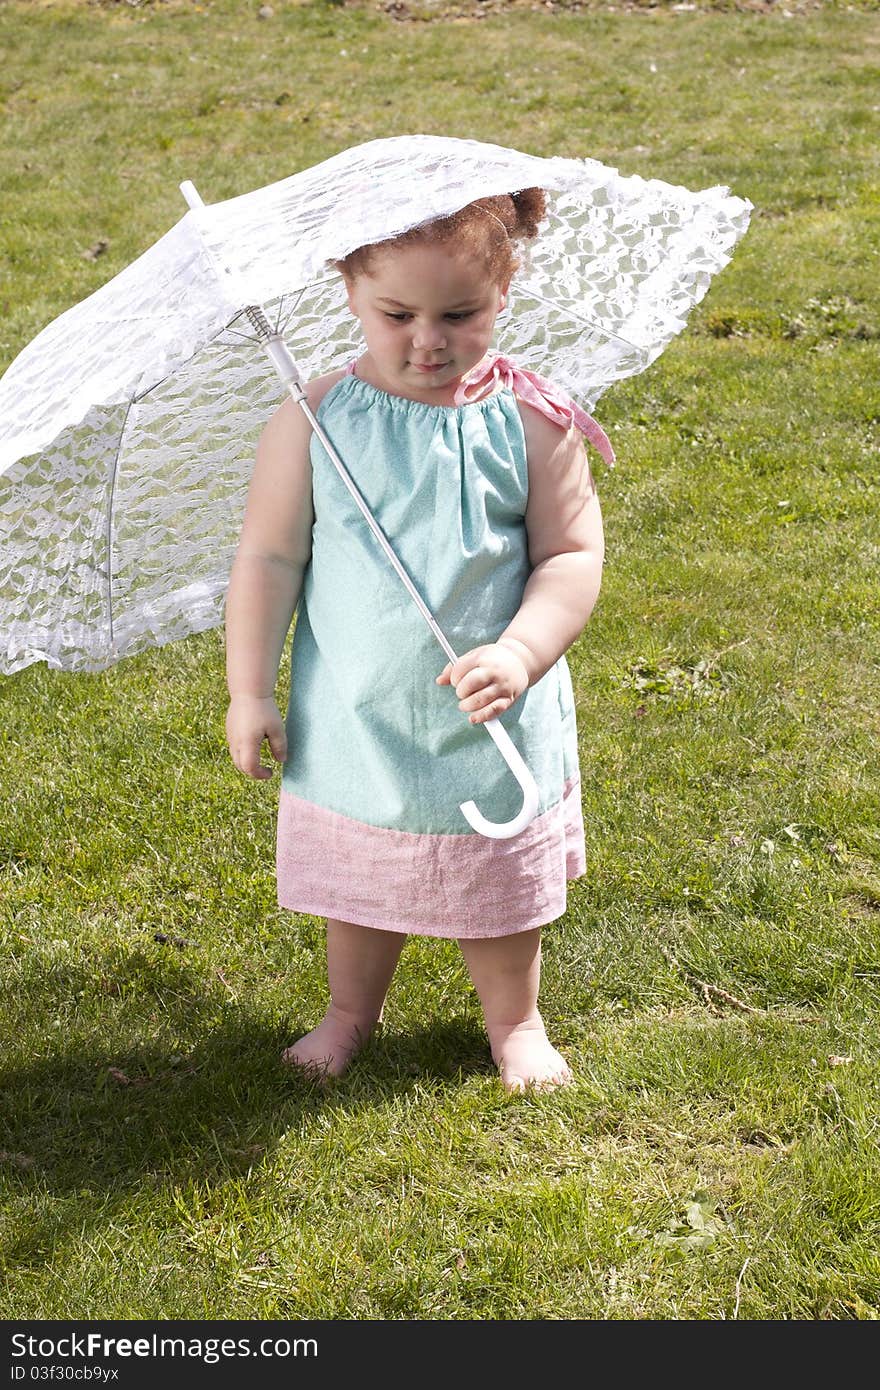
(503, 290)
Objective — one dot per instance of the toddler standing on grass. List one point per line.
(476, 472)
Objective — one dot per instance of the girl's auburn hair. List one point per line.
(486, 228)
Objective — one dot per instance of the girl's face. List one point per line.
(428, 314)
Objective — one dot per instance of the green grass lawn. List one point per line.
(715, 981)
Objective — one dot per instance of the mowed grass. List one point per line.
(715, 980)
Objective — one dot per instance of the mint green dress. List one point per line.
(379, 756)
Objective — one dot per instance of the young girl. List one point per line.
(478, 476)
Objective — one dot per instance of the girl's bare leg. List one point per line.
(360, 964)
(506, 971)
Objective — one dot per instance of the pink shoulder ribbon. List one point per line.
(497, 370)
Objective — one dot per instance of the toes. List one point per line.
(562, 1077)
(314, 1069)
(514, 1085)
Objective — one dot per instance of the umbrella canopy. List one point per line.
(128, 426)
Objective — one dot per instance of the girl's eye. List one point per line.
(402, 317)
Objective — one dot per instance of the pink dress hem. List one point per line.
(455, 886)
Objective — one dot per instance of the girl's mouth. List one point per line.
(429, 366)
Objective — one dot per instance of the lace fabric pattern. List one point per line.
(128, 426)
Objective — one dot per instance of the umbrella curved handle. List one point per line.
(505, 830)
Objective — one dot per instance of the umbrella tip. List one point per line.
(191, 194)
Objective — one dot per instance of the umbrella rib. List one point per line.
(245, 337)
(154, 386)
(292, 311)
(110, 520)
(606, 332)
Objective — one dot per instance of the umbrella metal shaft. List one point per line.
(299, 395)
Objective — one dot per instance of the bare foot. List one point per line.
(526, 1058)
(329, 1048)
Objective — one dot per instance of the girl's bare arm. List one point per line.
(266, 581)
(566, 547)
(273, 551)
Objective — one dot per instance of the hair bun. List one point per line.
(487, 228)
(530, 207)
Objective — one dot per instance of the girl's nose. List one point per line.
(428, 337)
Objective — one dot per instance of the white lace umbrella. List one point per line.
(128, 426)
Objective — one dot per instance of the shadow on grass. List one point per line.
(87, 1127)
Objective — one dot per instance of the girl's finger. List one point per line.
(476, 680)
(465, 665)
(480, 698)
(491, 711)
(278, 745)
